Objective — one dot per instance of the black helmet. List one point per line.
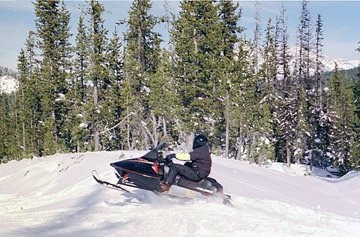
(199, 140)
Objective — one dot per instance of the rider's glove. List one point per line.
(170, 157)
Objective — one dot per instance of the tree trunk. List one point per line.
(146, 137)
(288, 154)
(96, 127)
(24, 136)
(78, 146)
(190, 141)
(164, 127)
(32, 138)
(23, 123)
(227, 132)
(155, 133)
(95, 81)
(182, 137)
(240, 147)
(55, 133)
(195, 42)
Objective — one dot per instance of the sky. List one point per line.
(341, 22)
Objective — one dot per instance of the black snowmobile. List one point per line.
(147, 171)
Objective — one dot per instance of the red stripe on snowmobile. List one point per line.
(147, 176)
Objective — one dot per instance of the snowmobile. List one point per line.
(147, 171)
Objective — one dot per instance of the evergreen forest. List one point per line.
(125, 90)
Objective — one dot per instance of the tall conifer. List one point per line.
(229, 16)
(195, 36)
(142, 51)
(98, 77)
(53, 34)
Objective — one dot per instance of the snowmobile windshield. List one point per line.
(154, 153)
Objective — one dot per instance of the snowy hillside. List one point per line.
(56, 196)
(328, 63)
(8, 84)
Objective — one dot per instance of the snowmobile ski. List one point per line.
(106, 184)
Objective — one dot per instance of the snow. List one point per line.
(60, 97)
(327, 62)
(83, 125)
(8, 84)
(56, 196)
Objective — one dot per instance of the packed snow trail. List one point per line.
(56, 196)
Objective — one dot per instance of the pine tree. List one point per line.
(142, 51)
(164, 100)
(304, 79)
(47, 24)
(98, 77)
(265, 96)
(65, 105)
(288, 118)
(10, 129)
(4, 129)
(341, 107)
(288, 106)
(302, 128)
(53, 35)
(23, 74)
(304, 37)
(283, 86)
(81, 63)
(356, 93)
(195, 36)
(32, 93)
(256, 51)
(356, 148)
(28, 103)
(319, 135)
(3, 114)
(80, 91)
(229, 18)
(113, 104)
(348, 115)
(243, 99)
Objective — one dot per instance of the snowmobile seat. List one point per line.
(187, 180)
(204, 183)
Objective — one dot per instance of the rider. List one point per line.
(197, 167)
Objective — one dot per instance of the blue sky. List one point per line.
(341, 21)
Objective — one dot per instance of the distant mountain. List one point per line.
(8, 84)
(328, 63)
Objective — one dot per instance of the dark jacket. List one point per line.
(201, 160)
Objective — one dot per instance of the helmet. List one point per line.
(199, 140)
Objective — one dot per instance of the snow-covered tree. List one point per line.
(141, 60)
(341, 107)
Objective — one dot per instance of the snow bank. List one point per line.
(56, 196)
